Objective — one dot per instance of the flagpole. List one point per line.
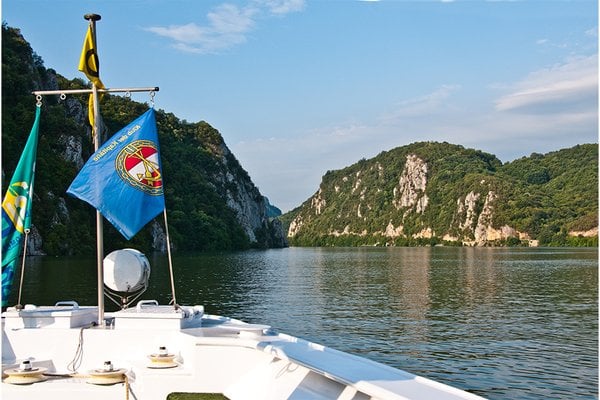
(92, 18)
(26, 231)
(170, 259)
(19, 305)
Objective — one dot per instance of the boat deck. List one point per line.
(211, 355)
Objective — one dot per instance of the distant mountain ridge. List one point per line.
(211, 200)
(431, 193)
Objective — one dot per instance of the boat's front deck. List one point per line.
(210, 355)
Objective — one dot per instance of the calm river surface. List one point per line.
(502, 323)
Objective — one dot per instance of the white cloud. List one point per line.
(190, 33)
(227, 25)
(593, 32)
(229, 19)
(562, 88)
(186, 48)
(281, 7)
(420, 106)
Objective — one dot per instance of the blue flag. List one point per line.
(16, 209)
(123, 178)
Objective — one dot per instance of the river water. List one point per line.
(502, 323)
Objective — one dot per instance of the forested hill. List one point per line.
(433, 193)
(211, 201)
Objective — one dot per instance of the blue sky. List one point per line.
(298, 87)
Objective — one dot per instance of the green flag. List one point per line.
(16, 209)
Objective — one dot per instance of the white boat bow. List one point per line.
(210, 354)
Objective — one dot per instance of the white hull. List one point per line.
(212, 355)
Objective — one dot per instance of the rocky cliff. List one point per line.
(251, 207)
(211, 201)
(430, 193)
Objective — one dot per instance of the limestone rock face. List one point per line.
(159, 237)
(392, 232)
(72, 147)
(468, 208)
(318, 203)
(34, 243)
(295, 226)
(250, 206)
(484, 221)
(410, 191)
(429, 193)
(317, 206)
(589, 233)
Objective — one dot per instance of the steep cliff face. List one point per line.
(211, 201)
(225, 176)
(250, 206)
(410, 192)
(409, 196)
(426, 193)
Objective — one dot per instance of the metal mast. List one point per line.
(92, 18)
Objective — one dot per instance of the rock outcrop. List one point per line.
(438, 193)
(410, 191)
(250, 206)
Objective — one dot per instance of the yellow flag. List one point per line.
(88, 62)
(91, 110)
(90, 66)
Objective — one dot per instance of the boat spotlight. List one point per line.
(126, 275)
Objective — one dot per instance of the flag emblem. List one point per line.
(15, 205)
(138, 164)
